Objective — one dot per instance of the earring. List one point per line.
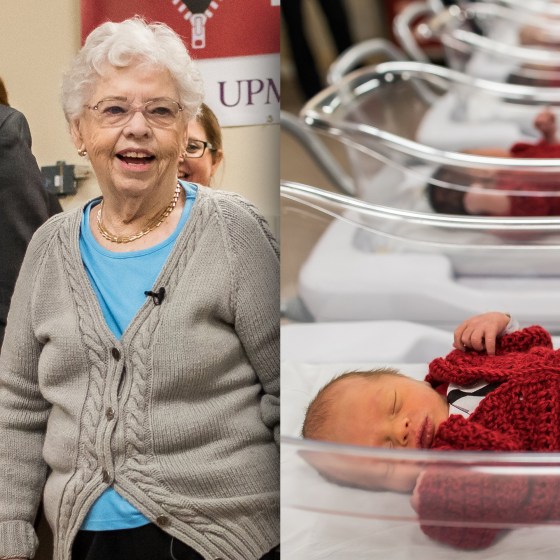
(82, 152)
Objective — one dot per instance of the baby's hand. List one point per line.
(480, 332)
(545, 123)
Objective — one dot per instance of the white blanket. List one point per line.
(464, 120)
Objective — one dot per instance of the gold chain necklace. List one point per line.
(152, 224)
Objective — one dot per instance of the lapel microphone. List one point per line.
(157, 297)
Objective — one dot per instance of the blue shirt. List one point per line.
(119, 281)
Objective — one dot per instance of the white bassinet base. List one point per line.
(389, 281)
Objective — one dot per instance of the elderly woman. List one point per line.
(204, 153)
(139, 377)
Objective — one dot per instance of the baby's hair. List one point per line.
(447, 200)
(320, 408)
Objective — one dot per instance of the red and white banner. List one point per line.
(236, 43)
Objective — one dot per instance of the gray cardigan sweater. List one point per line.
(180, 415)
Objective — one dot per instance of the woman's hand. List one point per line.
(480, 332)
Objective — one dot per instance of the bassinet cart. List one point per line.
(345, 259)
(401, 121)
(324, 520)
(487, 40)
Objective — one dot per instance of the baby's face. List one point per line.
(388, 411)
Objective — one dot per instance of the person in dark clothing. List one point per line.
(306, 67)
(24, 202)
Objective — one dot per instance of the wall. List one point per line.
(37, 42)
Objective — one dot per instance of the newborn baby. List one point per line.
(454, 190)
(497, 391)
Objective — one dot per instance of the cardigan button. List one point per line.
(105, 476)
(162, 520)
(110, 413)
(116, 354)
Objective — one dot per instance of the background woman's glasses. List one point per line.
(196, 148)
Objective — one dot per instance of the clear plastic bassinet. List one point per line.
(547, 8)
(322, 519)
(407, 125)
(497, 42)
(344, 259)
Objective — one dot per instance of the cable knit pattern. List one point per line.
(96, 355)
(179, 415)
(522, 414)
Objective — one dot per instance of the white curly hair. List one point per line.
(132, 41)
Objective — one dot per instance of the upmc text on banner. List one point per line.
(236, 43)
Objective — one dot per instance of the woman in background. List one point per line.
(204, 151)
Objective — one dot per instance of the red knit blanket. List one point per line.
(532, 182)
(522, 414)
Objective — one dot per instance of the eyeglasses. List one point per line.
(196, 148)
(117, 112)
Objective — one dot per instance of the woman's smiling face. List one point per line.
(136, 158)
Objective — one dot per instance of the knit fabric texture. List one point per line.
(522, 414)
(531, 182)
(180, 415)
